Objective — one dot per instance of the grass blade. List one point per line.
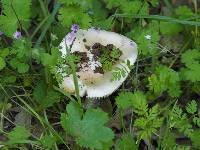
(158, 17)
(48, 24)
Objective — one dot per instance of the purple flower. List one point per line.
(17, 35)
(70, 37)
(75, 27)
(1, 33)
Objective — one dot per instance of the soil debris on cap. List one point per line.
(87, 47)
(97, 46)
(99, 70)
(83, 56)
(109, 46)
(84, 40)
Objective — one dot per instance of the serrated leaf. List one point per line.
(190, 57)
(147, 46)
(4, 52)
(183, 12)
(20, 8)
(67, 18)
(126, 142)
(88, 131)
(137, 100)
(179, 120)
(139, 103)
(50, 60)
(124, 99)
(8, 25)
(167, 28)
(192, 73)
(9, 79)
(131, 7)
(191, 107)
(140, 122)
(45, 96)
(22, 67)
(14, 10)
(168, 141)
(22, 49)
(2, 63)
(165, 79)
(48, 141)
(195, 138)
(17, 134)
(196, 121)
(191, 60)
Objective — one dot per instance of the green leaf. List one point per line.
(149, 122)
(139, 103)
(22, 49)
(50, 60)
(191, 73)
(118, 73)
(190, 57)
(48, 141)
(196, 121)
(147, 46)
(144, 10)
(47, 59)
(88, 131)
(137, 100)
(140, 122)
(20, 8)
(8, 25)
(45, 96)
(168, 141)
(167, 28)
(124, 100)
(154, 2)
(74, 14)
(153, 112)
(195, 138)
(115, 3)
(9, 79)
(165, 79)
(191, 107)
(4, 52)
(22, 67)
(14, 10)
(126, 142)
(179, 120)
(18, 134)
(2, 63)
(132, 7)
(71, 121)
(184, 12)
(191, 60)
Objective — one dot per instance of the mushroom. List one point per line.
(91, 83)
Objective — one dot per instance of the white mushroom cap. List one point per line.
(96, 85)
(68, 86)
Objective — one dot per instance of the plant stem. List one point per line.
(47, 25)
(181, 51)
(39, 26)
(76, 85)
(44, 10)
